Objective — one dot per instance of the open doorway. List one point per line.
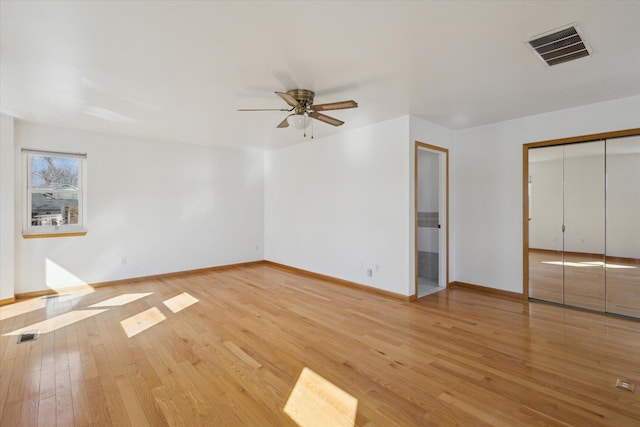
(431, 218)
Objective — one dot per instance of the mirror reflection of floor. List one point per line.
(586, 284)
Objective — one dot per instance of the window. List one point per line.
(55, 194)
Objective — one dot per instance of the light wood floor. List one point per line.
(232, 358)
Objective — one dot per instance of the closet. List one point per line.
(582, 214)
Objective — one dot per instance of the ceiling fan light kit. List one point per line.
(299, 121)
(303, 110)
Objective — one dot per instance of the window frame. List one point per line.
(34, 231)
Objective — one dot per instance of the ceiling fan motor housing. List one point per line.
(304, 98)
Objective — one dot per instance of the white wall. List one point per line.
(487, 182)
(428, 175)
(165, 207)
(339, 205)
(7, 172)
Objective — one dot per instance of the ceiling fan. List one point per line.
(302, 107)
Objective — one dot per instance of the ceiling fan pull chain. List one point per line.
(311, 129)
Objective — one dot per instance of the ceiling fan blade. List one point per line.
(335, 105)
(288, 99)
(285, 122)
(263, 109)
(326, 119)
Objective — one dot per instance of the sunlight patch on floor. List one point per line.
(120, 300)
(142, 321)
(180, 302)
(22, 307)
(57, 322)
(316, 402)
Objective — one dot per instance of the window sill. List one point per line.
(46, 235)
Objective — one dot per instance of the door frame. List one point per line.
(525, 187)
(443, 151)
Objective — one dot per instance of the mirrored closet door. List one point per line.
(546, 213)
(623, 226)
(584, 225)
(584, 199)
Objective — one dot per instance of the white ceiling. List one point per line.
(178, 70)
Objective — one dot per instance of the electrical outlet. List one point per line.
(377, 268)
(369, 272)
(123, 260)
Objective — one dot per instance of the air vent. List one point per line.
(626, 385)
(558, 46)
(28, 336)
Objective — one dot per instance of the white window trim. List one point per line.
(29, 230)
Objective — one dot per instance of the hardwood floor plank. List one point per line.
(478, 411)
(31, 398)
(138, 379)
(47, 412)
(47, 371)
(80, 399)
(5, 381)
(64, 400)
(12, 413)
(115, 405)
(135, 412)
(15, 391)
(241, 354)
(97, 402)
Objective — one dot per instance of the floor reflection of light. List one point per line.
(57, 322)
(22, 307)
(76, 292)
(566, 263)
(314, 401)
(609, 265)
(120, 300)
(142, 321)
(586, 264)
(180, 302)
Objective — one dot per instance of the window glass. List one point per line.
(54, 209)
(54, 172)
(55, 193)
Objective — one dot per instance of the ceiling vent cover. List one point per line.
(558, 46)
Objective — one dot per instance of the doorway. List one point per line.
(431, 219)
